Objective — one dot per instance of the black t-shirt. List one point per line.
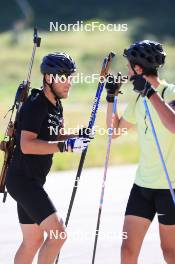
(40, 116)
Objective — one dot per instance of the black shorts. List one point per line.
(33, 203)
(145, 202)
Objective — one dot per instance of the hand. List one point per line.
(113, 86)
(86, 132)
(142, 86)
(76, 144)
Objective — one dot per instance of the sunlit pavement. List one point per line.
(81, 229)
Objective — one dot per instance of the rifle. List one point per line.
(8, 143)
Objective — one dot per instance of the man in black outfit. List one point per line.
(32, 160)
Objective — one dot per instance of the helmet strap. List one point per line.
(57, 98)
(132, 66)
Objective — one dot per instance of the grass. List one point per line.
(89, 50)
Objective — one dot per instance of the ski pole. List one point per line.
(104, 180)
(159, 150)
(104, 71)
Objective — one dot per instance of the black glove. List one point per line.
(86, 132)
(142, 86)
(112, 87)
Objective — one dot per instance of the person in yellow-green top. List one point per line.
(150, 194)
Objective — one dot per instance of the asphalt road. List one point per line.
(81, 229)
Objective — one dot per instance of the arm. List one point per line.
(113, 89)
(31, 145)
(166, 112)
(30, 124)
(118, 123)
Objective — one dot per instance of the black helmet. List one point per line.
(57, 63)
(148, 54)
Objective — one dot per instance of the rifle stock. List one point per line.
(7, 146)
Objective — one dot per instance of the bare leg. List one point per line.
(56, 237)
(33, 237)
(136, 228)
(167, 237)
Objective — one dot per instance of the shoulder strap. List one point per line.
(163, 91)
(162, 95)
(137, 98)
(60, 106)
